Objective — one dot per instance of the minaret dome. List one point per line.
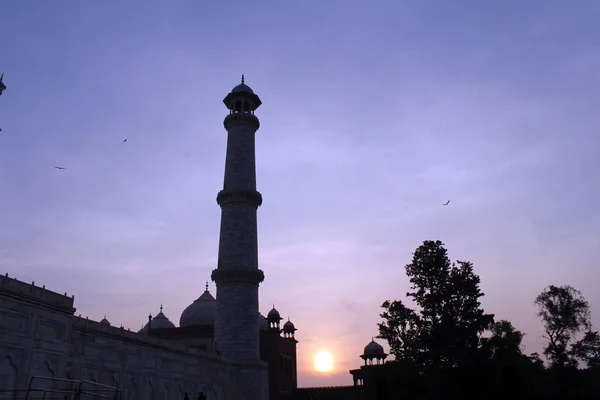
(242, 99)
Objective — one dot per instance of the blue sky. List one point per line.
(373, 115)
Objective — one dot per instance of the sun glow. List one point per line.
(323, 361)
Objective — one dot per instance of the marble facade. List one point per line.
(41, 336)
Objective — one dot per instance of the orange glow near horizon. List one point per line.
(323, 361)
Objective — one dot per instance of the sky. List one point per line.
(373, 115)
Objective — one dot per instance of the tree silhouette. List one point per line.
(505, 341)
(447, 327)
(564, 313)
(588, 349)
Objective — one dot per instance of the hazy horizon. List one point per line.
(372, 118)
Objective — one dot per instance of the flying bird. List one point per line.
(124, 140)
(446, 203)
(59, 167)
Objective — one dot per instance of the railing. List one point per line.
(62, 389)
(66, 389)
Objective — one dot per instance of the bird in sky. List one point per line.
(59, 167)
(446, 203)
(124, 140)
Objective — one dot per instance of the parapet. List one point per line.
(122, 334)
(40, 295)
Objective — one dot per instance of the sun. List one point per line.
(323, 361)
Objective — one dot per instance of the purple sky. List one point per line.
(372, 117)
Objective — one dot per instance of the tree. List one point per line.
(401, 330)
(505, 341)
(564, 312)
(588, 349)
(446, 328)
(536, 360)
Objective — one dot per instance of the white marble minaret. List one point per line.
(237, 275)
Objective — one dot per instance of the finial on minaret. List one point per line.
(104, 316)
(242, 78)
(161, 307)
(206, 286)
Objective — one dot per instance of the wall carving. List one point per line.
(9, 373)
(44, 366)
(90, 375)
(13, 322)
(151, 389)
(131, 389)
(50, 331)
(70, 372)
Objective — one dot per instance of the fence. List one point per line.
(45, 388)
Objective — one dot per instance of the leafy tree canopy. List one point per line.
(447, 325)
(564, 313)
(588, 349)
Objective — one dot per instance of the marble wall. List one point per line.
(40, 338)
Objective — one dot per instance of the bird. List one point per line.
(59, 167)
(124, 140)
(446, 203)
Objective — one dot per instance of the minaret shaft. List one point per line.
(237, 275)
(240, 161)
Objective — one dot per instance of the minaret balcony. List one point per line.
(254, 276)
(239, 196)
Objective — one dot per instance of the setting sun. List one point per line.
(323, 361)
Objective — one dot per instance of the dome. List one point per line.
(273, 315)
(262, 322)
(160, 321)
(239, 93)
(373, 349)
(104, 321)
(242, 87)
(289, 327)
(200, 312)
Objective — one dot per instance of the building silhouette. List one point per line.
(223, 347)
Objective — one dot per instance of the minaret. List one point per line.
(237, 275)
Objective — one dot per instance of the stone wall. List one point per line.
(35, 331)
(40, 336)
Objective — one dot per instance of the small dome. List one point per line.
(373, 349)
(242, 87)
(273, 315)
(200, 312)
(263, 325)
(160, 321)
(104, 321)
(289, 327)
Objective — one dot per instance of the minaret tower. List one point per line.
(237, 275)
